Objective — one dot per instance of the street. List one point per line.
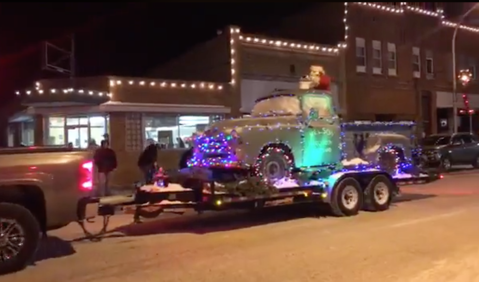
(429, 235)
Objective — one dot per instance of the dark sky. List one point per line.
(118, 38)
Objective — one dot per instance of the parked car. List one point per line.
(446, 150)
(41, 189)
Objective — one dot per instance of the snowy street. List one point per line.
(429, 235)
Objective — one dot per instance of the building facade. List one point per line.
(129, 110)
(390, 62)
(399, 64)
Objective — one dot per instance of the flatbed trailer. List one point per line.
(345, 195)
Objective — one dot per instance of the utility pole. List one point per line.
(454, 68)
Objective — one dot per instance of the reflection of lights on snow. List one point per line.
(286, 183)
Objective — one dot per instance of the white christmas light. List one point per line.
(287, 45)
(165, 84)
(439, 13)
(67, 91)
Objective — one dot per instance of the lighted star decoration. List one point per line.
(464, 76)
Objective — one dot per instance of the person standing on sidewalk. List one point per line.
(147, 161)
(105, 162)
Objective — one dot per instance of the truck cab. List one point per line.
(302, 124)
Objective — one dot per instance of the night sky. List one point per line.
(118, 38)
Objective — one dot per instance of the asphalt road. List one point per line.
(430, 235)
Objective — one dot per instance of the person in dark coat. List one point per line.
(105, 162)
(147, 162)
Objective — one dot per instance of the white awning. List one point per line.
(109, 107)
(444, 100)
(163, 108)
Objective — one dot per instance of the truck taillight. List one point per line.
(86, 176)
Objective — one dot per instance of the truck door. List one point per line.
(469, 150)
(457, 150)
(321, 132)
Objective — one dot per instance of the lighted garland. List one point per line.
(465, 77)
(400, 162)
(250, 186)
(214, 151)
(265, 155)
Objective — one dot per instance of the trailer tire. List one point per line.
(23, 221)
(347, 198)
(379, 194)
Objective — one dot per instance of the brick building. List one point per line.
(217, 79)
(399, 63)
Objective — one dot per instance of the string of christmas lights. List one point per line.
(167, 84)
(465, 77)
(439, 13)
(63, 91)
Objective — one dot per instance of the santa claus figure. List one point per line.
(317, 79)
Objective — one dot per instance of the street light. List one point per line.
(454, 74)
(465, 77)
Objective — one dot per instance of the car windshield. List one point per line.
(436, 140)
(279, 105)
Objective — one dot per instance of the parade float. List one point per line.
(299, 131)
(292, 149)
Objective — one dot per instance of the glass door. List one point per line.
(78, 136)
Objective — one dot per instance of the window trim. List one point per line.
(416, 53)
(376, 46)
(391, 47)
(429, 59)
(473, 71)
(361, 43)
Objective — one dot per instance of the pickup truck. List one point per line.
(41, 189)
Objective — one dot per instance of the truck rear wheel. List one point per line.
(19, 237)
(347, 198)
(379, 193)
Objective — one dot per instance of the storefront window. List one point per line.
(55, 131)
(28, 129)
(174, 131)
(97, 129)
(79, 131)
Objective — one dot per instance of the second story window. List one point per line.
(429, 65)
(392, 60)
(416, 62)
(377, 57)
(360, 55)
(472, 67)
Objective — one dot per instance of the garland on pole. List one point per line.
(465, 77)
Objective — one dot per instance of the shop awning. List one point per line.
(110, 107)
(163, 108)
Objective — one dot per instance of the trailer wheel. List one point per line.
(347, 198)
(379, 194)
